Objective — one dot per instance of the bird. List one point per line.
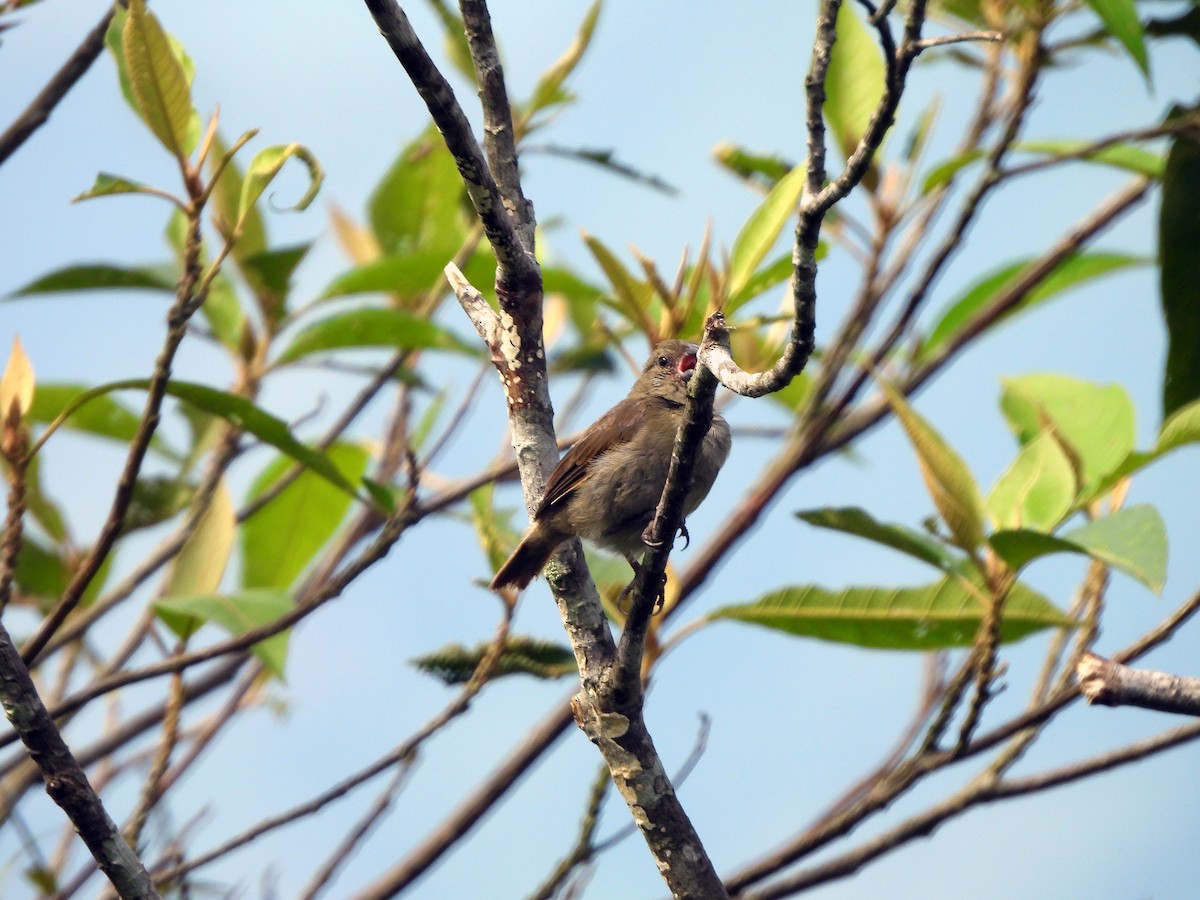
(607, 487)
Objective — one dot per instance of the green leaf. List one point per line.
(99, 277)
(941, 174)
(227, 198)
(947, 478)
(40, 573)
(1019, 546)
(156, 498)
(262, 171)
(160, 87)
(102, 416)
(458, 49)
(931, 617)
(855, 81)
(236, 613)
(408, 276)
(201, 562)
(1121, 21)
(1133, 540)
(1179, 272)
(454, 664)
(270, 273)
(771, 275)
(1074, 270)
(239, 412)
(1095, 421)
(761, 232)
(763, 170)
(223, 312)
(107, 185)
(633, 296)
(495, 530)
(372, 327)
(419, 203)
(1128, 157)
(549, 88)
(1183, 427)
(1037, 490)
(281, 540)
(856, 521)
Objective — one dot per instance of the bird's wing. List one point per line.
(614, 428)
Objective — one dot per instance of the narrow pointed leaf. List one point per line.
(947, 478)
(1075, 270)
(102, 416)
(761, 232)
(454, 664)
(1120, 19)
(237, 411)
(856, 521)
(549, 89)
(101, 276)
(372, 327)
(939, 615)
(107, 185)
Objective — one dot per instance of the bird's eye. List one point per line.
(664, 361)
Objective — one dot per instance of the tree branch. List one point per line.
(1106, 683)
(38, 112)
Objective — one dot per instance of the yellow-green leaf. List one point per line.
(236, 613)
(929, 617)
(201, 562)
(761, 232)
(262, 171)
(159, 83)
(1037, 490)
(855, 80)
(947, 478)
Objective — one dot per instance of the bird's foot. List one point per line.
(648, 536)
(660, 591)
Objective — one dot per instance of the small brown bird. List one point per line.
(608, 485)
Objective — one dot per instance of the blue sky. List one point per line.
(793, 721)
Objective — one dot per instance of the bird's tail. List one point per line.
(527, 560)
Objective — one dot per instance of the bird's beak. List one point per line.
(687, 363)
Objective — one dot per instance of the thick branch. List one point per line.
(1106, 683)
(517, 265)
(499, 136)
(65, 781)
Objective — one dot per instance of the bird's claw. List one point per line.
(683, 533)
(660, 592)
(648, 536)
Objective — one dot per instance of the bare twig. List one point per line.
(38, 112)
